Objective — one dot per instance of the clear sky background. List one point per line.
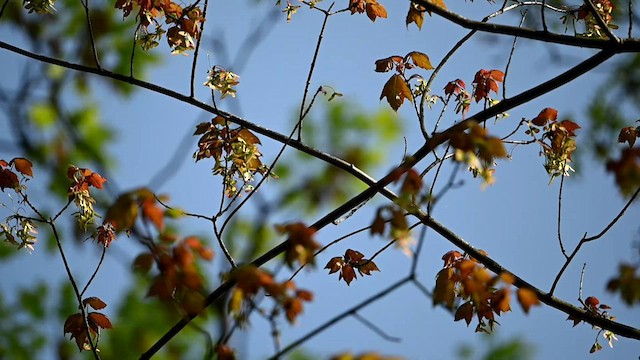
(514, 220)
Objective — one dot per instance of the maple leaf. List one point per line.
(375, 10)
(485, 82)
(545, 116)
(123, 213)
(8, 179)
(527, 298)
(464, 311)
(629, 135)
(396, 91)
(420, 60)
(627, 283)
(415, 15)
(23, 166)
(626, 170)
(150, 208)
(301, 246)
(454, 87)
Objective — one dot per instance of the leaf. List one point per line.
(334, 265)
(384, 65)
(100, 320)
(8, 179)
(375, 10)
(444, 291)
(94, 302)
(95, 180)
(420, 60)
(527, 298)
(396, 91)
(465, 311)
(546, 115)
(23, 166)
(143, 262)
(570, 126)
(629, 135)
(367, 267)
(347, 273)
(123, 213)
(415, 15)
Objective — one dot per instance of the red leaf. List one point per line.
(396, 91)
(465, 311)
(23, 166)
(546, 115)
(8, 179)
(629, 135)
(570, 126)
(100, 320)
(94, 302)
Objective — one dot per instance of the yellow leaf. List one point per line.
(396, 90)
(420, 60)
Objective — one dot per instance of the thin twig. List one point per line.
(104, 251)
(586, 239)
(195, 53)
(85, 5)
(368, 301)
(513, 49)
(311, 69)
(376, 329)
(560, 215)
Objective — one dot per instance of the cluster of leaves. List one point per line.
(250, 280)
(301, 246)
(40, 6)
(397, 88)
(592, 305)
(557, 141)
(16, 227)
(457, 88)
(604, 10)
(416, 12)
(219, 79)
(8, 177)
(123, 213)
(478, 150)
(86, 331)
(485, 82)
(485, 295)
(346, 264)
(627, 168)
(82, 179)
(363, 356)
(185, 23)
(179, 279)
(627, 283)
(399, 230)
(235, 151)
(373, 9)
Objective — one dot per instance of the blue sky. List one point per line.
(514, 220)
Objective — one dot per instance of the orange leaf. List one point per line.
(23, 166)
(123, 213)
(465, 311)
(8, 179)
(94, 302)
(100, 320)
(305, 295)
(95, 180)
(375, 10)
(546, 115)
(420, 60)
(415, 15)
(527, 298)
(570, 126)
(396, 90)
